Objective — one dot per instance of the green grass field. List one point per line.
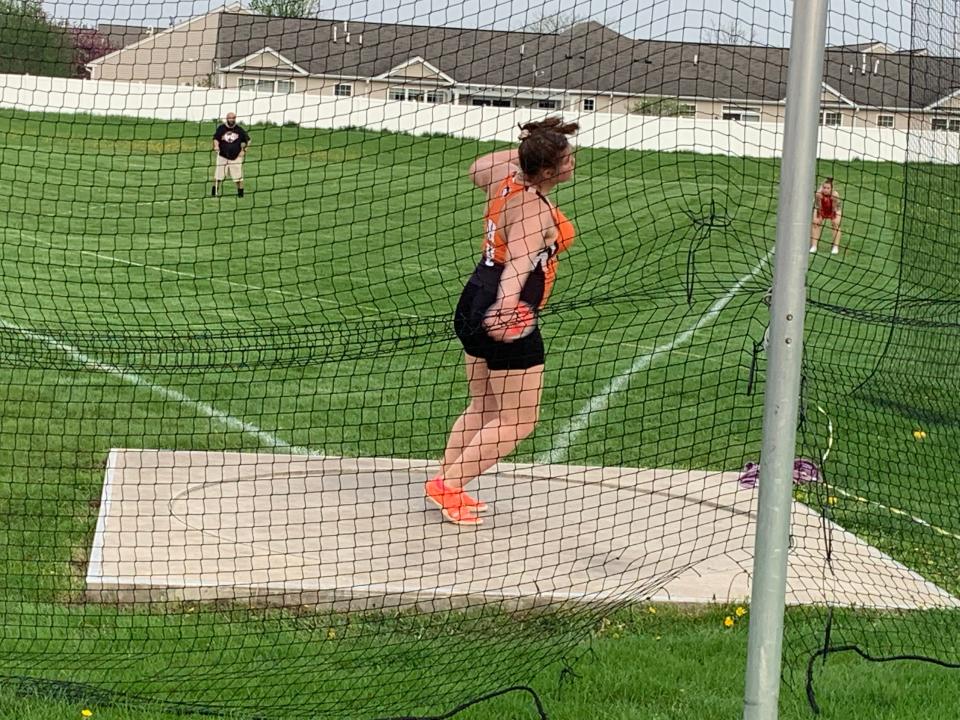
(317, 310)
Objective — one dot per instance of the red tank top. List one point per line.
(826, 206)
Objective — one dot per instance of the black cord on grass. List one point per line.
(811, 696)
(69, 691)
(483, 698)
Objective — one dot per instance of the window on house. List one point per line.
(343, 90)
(267, 87)
(833, 119)
(412, 94)
(589, 104)
(690, 110)
(548, 104)
(437, 96)
(953, 125)
(741, 114)
(885, 121)
(490, 102)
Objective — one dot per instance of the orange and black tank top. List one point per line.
(539, 282)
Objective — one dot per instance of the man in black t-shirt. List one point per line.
(229, 142)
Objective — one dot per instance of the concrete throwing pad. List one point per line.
(356, 533)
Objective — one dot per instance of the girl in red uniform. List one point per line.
(826, 207)
(495, 319)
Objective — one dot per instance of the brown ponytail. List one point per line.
(543, 143)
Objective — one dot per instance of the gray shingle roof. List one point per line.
(588, 57)
(902, 81)
(119, 36)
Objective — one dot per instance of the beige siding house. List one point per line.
(588, 68)
(184, 54)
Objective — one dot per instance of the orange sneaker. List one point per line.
(450, 503)
(471, 502)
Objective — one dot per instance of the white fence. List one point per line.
(635, 132)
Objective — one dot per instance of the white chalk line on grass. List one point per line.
(580, 420)
(233, 283)
(643, 347)
(267, 438)
(895, 511)
(867, 501)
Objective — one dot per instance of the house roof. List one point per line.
(119, 36)
(892, 81)
(870, 46)
(588, 57)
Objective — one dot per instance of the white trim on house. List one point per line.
(234, 8)
(941, 101)
(840, 96)
(412, 61)
(265, 51)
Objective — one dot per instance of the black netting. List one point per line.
(220, 407)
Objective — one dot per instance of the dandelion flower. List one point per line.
(728, 621)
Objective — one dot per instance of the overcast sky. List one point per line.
(934, 22)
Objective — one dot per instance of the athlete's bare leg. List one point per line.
(836, 234)
(815, 231)
(517, 394)
(481, 410)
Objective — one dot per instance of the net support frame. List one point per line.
(785, 353)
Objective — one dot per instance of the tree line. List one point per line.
(32, 43)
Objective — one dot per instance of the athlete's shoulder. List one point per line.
(520, 196)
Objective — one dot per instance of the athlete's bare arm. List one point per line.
(524, 219)
(490, 170)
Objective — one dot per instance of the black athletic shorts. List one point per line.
(476, 299)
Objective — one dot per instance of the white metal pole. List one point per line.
(782, 392)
